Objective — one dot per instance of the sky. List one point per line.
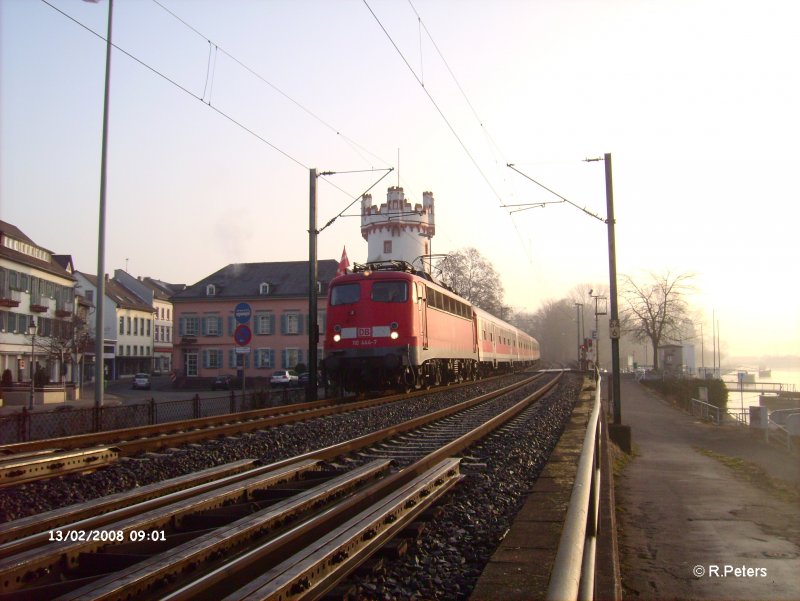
(216, 122)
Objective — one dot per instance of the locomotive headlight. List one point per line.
(394, 335)
(337, 337)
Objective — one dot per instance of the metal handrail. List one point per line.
(573, 571)
(706, 411)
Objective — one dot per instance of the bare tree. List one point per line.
(556, 327)
(657, 311)
(473, 277)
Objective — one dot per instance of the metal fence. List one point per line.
(572, 576)
(68, 421)
(706, 411)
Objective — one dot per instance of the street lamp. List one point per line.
(32, 332)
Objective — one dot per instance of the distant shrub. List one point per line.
(8, 378)
(682, 391)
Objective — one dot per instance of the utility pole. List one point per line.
(612, 274)
(99, 346)
(313, 328)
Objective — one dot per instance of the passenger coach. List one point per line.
(391, 326)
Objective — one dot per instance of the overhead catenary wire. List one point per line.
(435, 104)
(201, 98)
(358, 148)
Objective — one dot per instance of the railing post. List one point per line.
(233, 402)
(151, 412)
(23, 425)
(196, 403)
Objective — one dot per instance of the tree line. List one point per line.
(654, 310)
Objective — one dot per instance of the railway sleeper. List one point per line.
(318, 567)
(148, 577)
(31, 565)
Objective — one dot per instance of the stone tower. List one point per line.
(396, 231)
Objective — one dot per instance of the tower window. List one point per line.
(387, 246)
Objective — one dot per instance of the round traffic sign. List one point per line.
(242, 335)
(242, 312)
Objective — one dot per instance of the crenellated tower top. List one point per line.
(396, 230)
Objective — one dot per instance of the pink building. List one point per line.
(270, 301)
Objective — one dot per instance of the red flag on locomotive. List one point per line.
(344, 263)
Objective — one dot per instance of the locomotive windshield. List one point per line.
(390, 292)
(345, 294)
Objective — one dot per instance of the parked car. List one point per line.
(141, 382)
(223, 382)
(302, 379)
(284, 377)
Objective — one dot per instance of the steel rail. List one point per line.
(572, 576)
(320, 566)
(136, 439)
(141, 578)
(19, 469)
(19, 569)
(313, 530)
(68, 557)
(31, 531)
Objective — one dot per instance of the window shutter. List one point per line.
(300, 322)
(231, 325)
(182, 326)
(284, 358)
(271, 358)
(283, 324)
(203, 328)
(271, 323)
(232, 358)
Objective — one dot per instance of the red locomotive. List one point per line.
(389, 325)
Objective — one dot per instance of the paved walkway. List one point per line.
(690, 527)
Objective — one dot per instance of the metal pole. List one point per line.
(578, 309)
(99, 363)
(313, 332)
(33, 361)
(612, 274)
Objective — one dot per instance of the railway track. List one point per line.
(309, 521)
(40, 459)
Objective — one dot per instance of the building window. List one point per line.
(387, 246)
(291, 357)
(291, 323)
(263, 289)
(211, 290)
(213, 326)
(121, 325)
(264, 324)
(212, 358)
(265, 358)
(190, 326)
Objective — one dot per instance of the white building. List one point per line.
(156, 294)
(398, 231)
(127, 327)
(34, 287)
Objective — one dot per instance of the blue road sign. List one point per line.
(242, 335)
(242, 312)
